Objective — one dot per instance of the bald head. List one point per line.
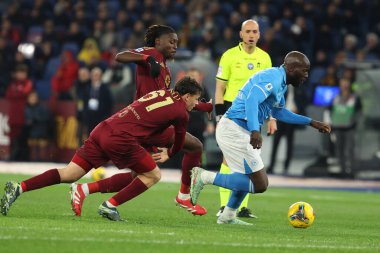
(250, 22)
(296, 59)
(297, 67)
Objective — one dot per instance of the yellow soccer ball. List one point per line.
(301, 215)
(98, 174)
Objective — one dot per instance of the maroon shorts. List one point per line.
(123, 150)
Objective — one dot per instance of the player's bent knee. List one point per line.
(261, 187)
(69, 176)
(155, 175)
(192, 144)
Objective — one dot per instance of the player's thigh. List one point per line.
(234, 142)
(90, 155)
(192, 143)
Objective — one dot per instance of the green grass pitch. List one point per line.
(42, 221)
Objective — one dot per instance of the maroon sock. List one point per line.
(115, 183)
(93, 187)
(189, 161)
(135, 188)
(47, 178)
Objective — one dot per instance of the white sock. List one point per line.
(183, 196)
(85, 189)
(20, 189)
(228, 213)
(109, 204)
(208, 177)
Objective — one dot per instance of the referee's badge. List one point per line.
(250, 66)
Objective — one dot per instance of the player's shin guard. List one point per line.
(189, 161)
(235, 182)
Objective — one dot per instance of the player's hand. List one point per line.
(155, 68)
(256, 140)
(272, 126)
(162, 156)
(321, 126)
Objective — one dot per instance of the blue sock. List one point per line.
(235, 182)
(235, 199)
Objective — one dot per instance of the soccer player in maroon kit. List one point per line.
(119, 139)
(153, 74)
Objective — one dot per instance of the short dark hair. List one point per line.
(188, 85)
(154, 32)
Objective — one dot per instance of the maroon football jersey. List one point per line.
(152, 114)
(144, 82)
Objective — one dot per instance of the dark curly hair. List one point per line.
(154, 32)
(188, 85)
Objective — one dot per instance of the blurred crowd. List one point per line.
(64, 49)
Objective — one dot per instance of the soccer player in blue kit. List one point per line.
(238, 133)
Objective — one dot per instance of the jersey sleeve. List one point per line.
(146, 51)
(256, 96)
(287, 116)
(224, 69)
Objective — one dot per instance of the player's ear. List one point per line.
(241, 35)
(157, 41)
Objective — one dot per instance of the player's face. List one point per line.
(299, 76)
(167, 45)
(191, 101)
(250, 33)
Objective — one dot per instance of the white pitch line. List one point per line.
(92, 230)
(184, 242)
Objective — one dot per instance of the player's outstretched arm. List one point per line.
(321, 126)
(129, 56)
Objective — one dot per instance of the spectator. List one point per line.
(90, 53)
(81, 92)
(119, 77)
(65, 76)
(37, 127)
(98, 105)
(6, 57)
(295, 102)
(345, 113)
(199, 125)
(16, 94)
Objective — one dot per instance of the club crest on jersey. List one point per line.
(250, 66)
(269, 86)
